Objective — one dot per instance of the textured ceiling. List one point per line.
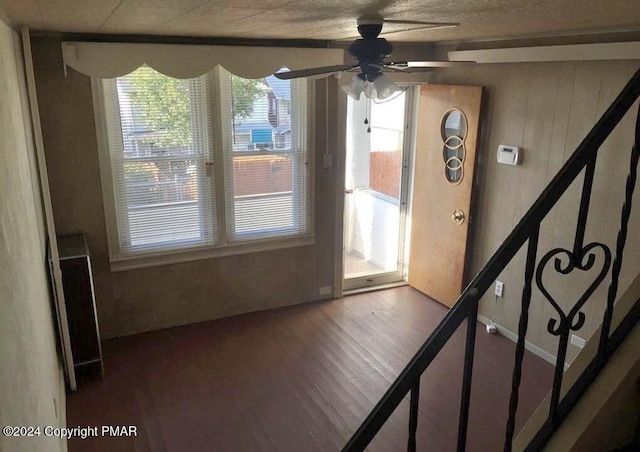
(321, 19)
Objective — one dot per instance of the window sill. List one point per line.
(180, 256)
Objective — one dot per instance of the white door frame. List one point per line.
(399, 276)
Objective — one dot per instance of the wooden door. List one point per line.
(445, 163)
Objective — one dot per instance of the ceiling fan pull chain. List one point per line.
(367, 114)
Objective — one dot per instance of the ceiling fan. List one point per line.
(371, 54)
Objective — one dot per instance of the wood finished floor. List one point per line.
(300, 378)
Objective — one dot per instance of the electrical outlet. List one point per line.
(324, 290)
(499, 288)
(578, 341)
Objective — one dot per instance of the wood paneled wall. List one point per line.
(547, 109)
(544, 108)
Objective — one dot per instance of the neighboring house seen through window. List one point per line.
(213, 162)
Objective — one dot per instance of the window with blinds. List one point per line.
(266, 157)
(165, 146)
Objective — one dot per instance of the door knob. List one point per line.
(458, 216)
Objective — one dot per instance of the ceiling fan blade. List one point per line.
(389, 67)
(422, 26)
(288, 75)
(386, 67)
(429, 64)
(410, 70)
(420, 22)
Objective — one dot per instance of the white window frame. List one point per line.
(219, 78)
(114, 135)
(119, 262)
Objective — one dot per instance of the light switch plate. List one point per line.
(327, 160)
(499, 288)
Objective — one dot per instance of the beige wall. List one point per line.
(156, 297)
(31, 385)
(547, 109)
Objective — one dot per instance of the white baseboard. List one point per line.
(527, 345)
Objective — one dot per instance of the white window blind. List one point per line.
(169, 138)
(158, 132)
(266, 156)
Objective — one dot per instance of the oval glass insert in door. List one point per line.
(454, 132)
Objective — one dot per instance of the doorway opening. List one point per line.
(378, 154)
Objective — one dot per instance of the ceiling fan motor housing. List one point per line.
(369, 29)
(370, 54)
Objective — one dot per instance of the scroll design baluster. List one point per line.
(575, 318)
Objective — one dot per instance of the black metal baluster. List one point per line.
(530, 267)
(465, 399)
(622, 238)
(576, 261)
(575, 319)
(576, 257)
(557, 377)
(413, 416)
(584, 206)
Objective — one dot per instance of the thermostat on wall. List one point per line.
(508, 154)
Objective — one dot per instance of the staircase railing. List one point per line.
(581, 257)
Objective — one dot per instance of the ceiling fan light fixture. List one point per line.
(355, 88)
(384, 88)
